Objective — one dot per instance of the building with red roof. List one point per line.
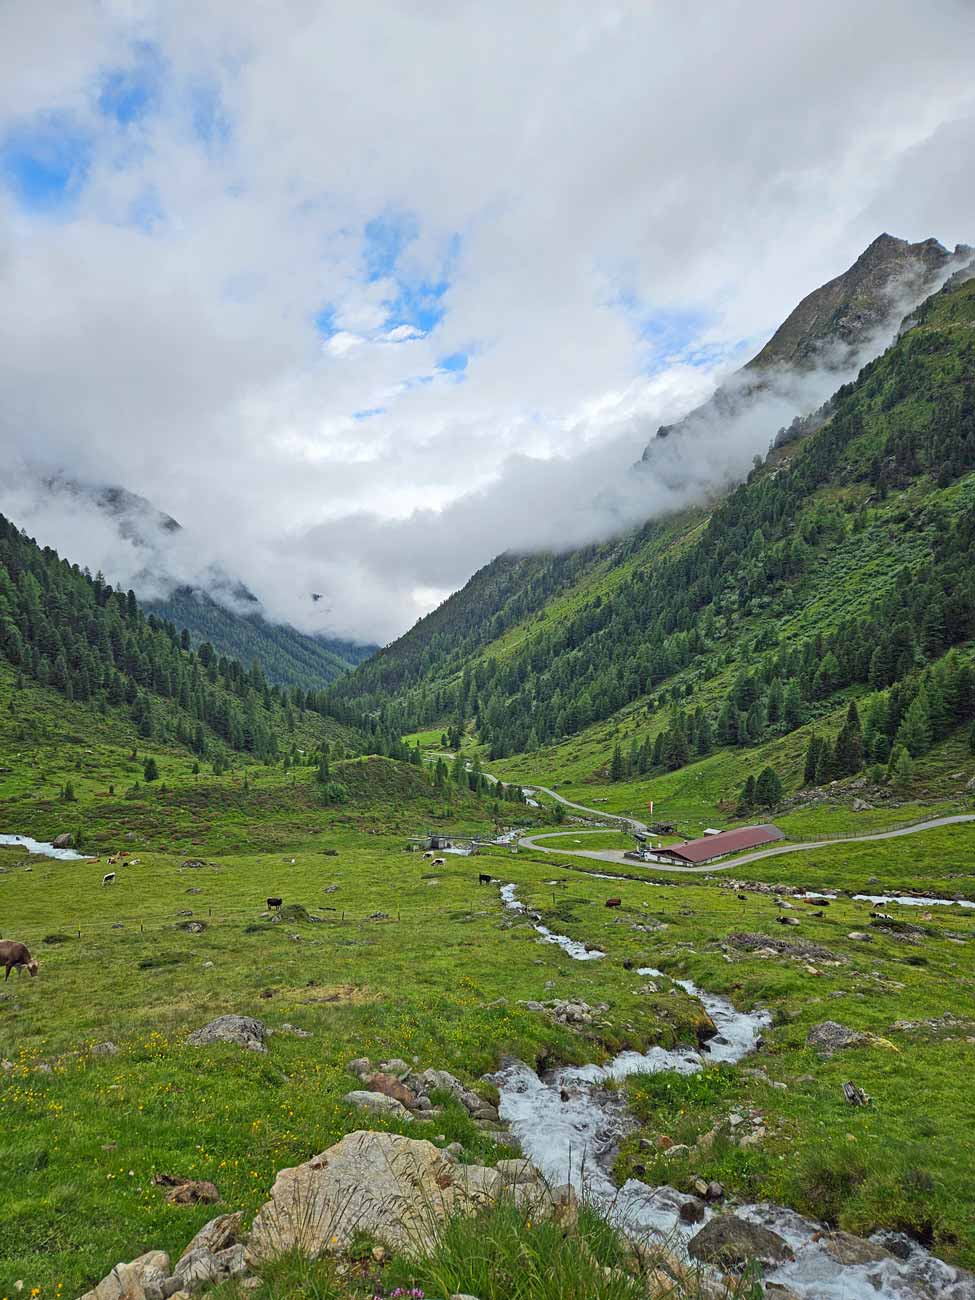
(693, 853)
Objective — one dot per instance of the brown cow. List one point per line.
(16, 954)
(614, 902)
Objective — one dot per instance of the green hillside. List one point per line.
(840, 571)
(287, 657)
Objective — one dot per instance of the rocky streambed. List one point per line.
(569, 1124)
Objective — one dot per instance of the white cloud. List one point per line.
(539, 165)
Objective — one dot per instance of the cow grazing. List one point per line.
(109, 879)
(439, 862)
(484, 879)
(16, 954)
(428, 854)
(274, 903)
(614, 902)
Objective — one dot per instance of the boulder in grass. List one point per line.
(830, 1036)
(245, 1031)
(377, 1103)
(392, 1188)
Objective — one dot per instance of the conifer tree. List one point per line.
(768, 789)
(914, 732)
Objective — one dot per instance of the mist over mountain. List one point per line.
(823, 342)
(133, 544)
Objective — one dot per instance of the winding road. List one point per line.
(617, 855)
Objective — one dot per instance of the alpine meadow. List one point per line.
(514, 837)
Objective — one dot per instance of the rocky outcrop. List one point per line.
(245, 1031)
(831, 1036)
(803, 948)
(394, 1188)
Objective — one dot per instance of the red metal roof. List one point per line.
(716, 846)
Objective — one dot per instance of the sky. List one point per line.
(366, 294)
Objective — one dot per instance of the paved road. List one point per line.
(616, 855)
(630, 821)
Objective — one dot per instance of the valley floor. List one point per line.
(423, 963)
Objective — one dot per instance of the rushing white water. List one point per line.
(569, 1124)
(40, 847)
(572, 946)
(911, 900)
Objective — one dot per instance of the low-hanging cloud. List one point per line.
(363, 313)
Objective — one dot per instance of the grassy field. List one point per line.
(421, 962)
(589, 840)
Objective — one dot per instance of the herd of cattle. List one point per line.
(16, 956)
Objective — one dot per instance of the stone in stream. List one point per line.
(730, 1242)
(847, 1249)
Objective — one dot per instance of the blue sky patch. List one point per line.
(368, 413)
(45, 164)
(209, 120)
(456, 362)
(384, 238)
(133, 92)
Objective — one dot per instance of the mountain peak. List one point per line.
(890, 276)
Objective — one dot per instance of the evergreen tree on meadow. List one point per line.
(813, 758)
(150, 771)
(768, 789)
(616, 769)
(914, 732)
(902, 772)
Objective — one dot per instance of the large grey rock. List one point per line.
(245, 1031)
(377, 1103)
(730, 1242)
(446, 1082)
(831, 1036)
(217, 1235)
(391, 1187)
(198, 1269)
(134, 1280)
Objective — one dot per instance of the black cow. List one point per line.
(274, 903)
(484, 879)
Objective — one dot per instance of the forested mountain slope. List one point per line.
(92, 642)
(287, 657)
(844, 564)
(215, 607)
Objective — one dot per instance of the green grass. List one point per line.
(439, 979)
(584, 839)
